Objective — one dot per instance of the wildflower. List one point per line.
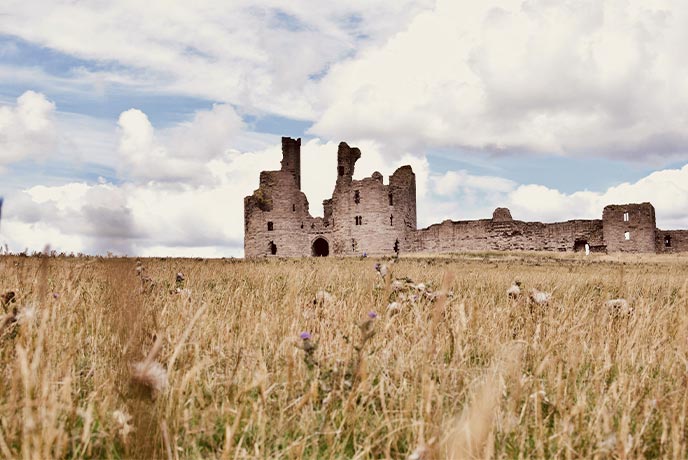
(180, 277)
(394, 307)
(539, 297)
(27, 315)
(381, 269)
(514, 290)
(55, 295)
(309, 349)
(150, 374)
(372, 315)
(122, 419)
(323, 297)
(618, 307)
(397, 285)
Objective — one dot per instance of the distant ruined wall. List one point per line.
(368, 216)
(503, 235)
(669, 241)
(630, 227)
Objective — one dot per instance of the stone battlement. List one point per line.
(368, 217)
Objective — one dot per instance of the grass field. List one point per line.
(97, 363)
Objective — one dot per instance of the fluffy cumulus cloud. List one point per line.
(584, 77)
(27, 129)
(178, 153)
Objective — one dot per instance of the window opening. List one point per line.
(271, 227)
(391, 219)
(626, 217)
(273, 248)
(627, 235)
(667, 241)
(396, 246)
(357, 197)
(293, 207)
(391, 199)
(358, 220)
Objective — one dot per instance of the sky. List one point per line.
(138, 127)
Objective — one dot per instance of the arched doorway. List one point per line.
(320, 248)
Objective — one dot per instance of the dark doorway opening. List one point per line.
(667, 241)
(396, 246)
(321, 248)
(579, 245)
(273, 248)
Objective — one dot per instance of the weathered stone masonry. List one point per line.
(369, 216)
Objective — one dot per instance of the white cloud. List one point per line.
(27, 129)
(585, 77)
(181, 152)
(260, 55)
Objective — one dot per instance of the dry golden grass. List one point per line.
(472, 374)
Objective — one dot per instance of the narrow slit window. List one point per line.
(627, 236)
(273, 248)
(271, 227)
(293, 207)
(391, 220)
(391, 199)
(358, 220)
(667, 241)
(357, 197)
(626, 217)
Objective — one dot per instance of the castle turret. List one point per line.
(346, 160)
(291, 158)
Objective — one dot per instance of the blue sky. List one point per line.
(553, 110)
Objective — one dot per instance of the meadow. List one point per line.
(307, 359)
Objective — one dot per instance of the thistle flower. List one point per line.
(305, 336)
(180, 277)
(372, 315)
(514, 290)
(150, 374)
(394, 307)
(323, 297)
(618, 307)
(540, 297)
(122, 419)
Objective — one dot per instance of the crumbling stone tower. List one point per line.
(276, 213)
(368, 216)
(630, 228)
(363, 216)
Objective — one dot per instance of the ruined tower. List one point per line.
(629, 227)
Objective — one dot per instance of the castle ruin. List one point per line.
(368, 217)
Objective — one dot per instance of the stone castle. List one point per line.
(370, 217)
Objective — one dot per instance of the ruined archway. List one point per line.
(320, 248)
(579, 245)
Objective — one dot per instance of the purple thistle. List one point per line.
(372, 315)
(305, 336)
(377, 267)
(55, 295)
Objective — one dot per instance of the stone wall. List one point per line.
(630, 228)
(669, 241)
(369, 216)
(500, 235)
